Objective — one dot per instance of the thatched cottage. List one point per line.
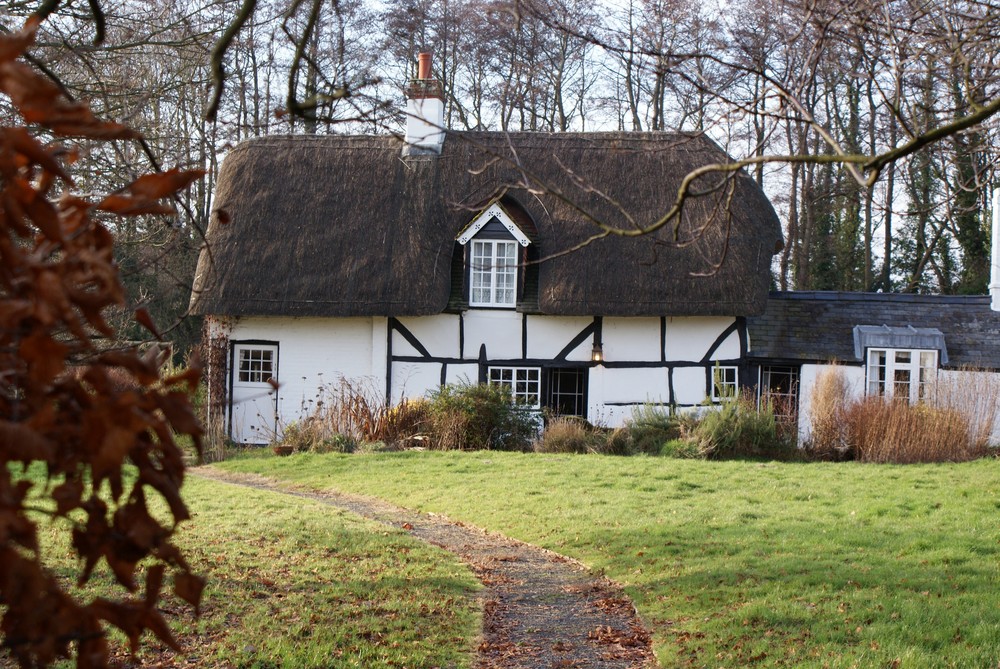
(402, 264)
(436, 259)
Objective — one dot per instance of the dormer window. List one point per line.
(493, 273)
(492, 242)
(901, 363)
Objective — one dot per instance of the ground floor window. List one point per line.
(525, 383)
(724, 382)
(903, 374)
(779, 385)
(256, 365)
(567, 394)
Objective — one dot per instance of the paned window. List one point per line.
(724, 380)
(568, 391)
(904, 374)
(779, 385)
(524, 383)
(256, 365)
(493, 273)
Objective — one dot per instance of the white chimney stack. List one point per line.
(995, 253)
(424, 112)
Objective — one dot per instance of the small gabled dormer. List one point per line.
(493, 248)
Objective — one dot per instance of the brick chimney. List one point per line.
(424, 112)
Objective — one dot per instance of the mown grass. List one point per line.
(736, 563)
(294, 583)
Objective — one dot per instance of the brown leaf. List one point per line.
(141, 195)
(189, 587)
(22, 142)
(45, 356)
(39, 210)
(144, 372)
(143, 318)
(126, 616)
(113, 449)
(92, 653)
(41, 101)
(125, 205)
(191, 375)
(14, 44)
(154, 581)
(68, 496)
(21, 443)
(177, 408)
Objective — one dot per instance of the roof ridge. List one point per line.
(842, 295)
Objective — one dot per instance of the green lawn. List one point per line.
(297, 584)
(735, 564)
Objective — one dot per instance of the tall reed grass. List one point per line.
(955, 426)
(355, 412)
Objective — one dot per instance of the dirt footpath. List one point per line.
(541, 610)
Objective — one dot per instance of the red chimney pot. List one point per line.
(424, 66)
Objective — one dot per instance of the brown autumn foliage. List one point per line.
(62, 404)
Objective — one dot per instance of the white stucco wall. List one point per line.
(315, 353)
(638, 386)
(467, 373)
(412, 380)
(634, 339)
(547, 336)
(499, 329)
(438, 334)
(689, 385)
(690, 338)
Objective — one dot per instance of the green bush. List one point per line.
(648, 429)
(337, 443)
(739, 428)
(469, 416)
(681, 448)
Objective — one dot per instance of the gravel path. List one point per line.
(541, 610)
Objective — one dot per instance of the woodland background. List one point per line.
(827, 101)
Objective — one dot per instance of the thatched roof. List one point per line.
(345, 226)
(815, 326)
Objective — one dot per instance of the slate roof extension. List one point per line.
(815, 326)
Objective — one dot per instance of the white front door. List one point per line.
(253, 410)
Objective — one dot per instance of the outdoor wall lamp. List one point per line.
(597, 354)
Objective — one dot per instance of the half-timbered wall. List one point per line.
(669, 361)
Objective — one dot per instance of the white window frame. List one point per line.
(724, 388)
(901, 373)
(525, 383)
(255, 364)
(490, 268)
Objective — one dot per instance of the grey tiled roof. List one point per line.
(819, 326)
